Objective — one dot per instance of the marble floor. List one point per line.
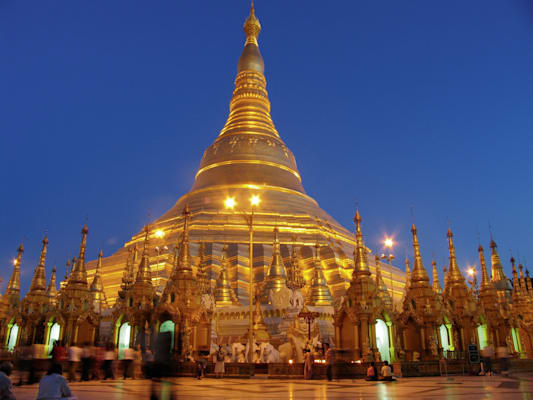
(517, 386)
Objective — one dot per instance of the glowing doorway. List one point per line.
(382, 339)
(13, 335)
(124, 335)
(54, 334)
(168, 326)
(444, 338)
(482, 336)
(516, 340)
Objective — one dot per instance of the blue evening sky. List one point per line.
(107, 107)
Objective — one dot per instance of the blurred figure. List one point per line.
(148, 363)
(107, 366)
(127, 362)
(137, 363)
(59, 353)
(329, 361)
(74, 358)
(488, 354)
(53, 385)
(308, 364)
(6, 388)
(219, 364)
(98, 360)
(86, 361)
(162, 367)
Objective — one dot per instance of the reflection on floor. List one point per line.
(518, 386)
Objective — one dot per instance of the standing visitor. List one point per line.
(308, 364)
(59, 353)
(109, 357)
(53, 385)
(86, 361)
(329, 361)
(74, 358)
(219, 365)
(129, 356)
(6, 388)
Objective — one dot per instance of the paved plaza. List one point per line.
(518, 386)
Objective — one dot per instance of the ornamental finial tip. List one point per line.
(252, 26)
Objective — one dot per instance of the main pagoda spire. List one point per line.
(249, 149)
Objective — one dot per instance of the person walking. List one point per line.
(6, 388)
(129, 357)
(329, 362)
(308, 364)
(107, 366)
(53, 385)
(219, 365)
(74, 358)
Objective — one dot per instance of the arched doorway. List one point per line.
(55, 330)
(12, 338)
(168, 326)
(483, 336)
(444, 338)
(412, 340)
(124, 337)
(86, 331)
(382, 340)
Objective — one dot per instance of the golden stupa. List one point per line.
(247, 158)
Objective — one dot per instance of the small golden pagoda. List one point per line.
(461, 303)
(363, 305)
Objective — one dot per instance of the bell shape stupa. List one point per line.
(247, 158)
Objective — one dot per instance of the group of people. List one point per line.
(51, 387)
(384, 375)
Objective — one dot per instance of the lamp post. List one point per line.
(388, 243)
(309, 317)
(230, 204)
(472, 272)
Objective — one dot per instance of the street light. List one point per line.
(388, 243)
(472, 272)
(159, 233)
(230, 204)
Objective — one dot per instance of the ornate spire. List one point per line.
(252, 27)
(224, 294)
(319, 293)
(295, 279)
(381, 288)
(13, 286)
(277, 277)
(144, 273)
(361, 260)
(38, 282)
(183, 266)
(485, 280)
(419, 275)
(407, 273)
(51, 292)
(436, 284)
(79, 274)
(201, 274)
(67, 270)
(497, 269)
(454, 274)
(97, 287)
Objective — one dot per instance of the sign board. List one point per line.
(473, 354)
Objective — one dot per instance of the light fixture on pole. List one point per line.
(230, 204)
(388, 244)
